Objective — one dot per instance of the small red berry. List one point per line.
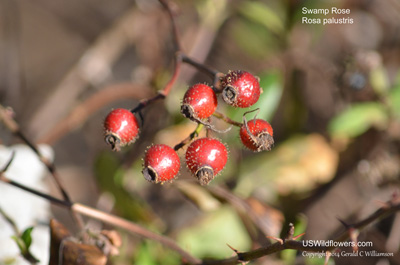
(205, 158)
(240, 89)
(161, 163)
(199, 102)
(257, 135)
(120, 128)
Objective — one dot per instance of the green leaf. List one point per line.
(21, 244)
(262, 14)
(27, 237)
(150, 252)
(253, 39)
(379, 80)
(208, 237)
(145, 255)
(296, 165)
(24, 242)
(357, 119)
(394, 100)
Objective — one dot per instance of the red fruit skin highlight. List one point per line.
(240, 89)
(202, 101)
(123, 125)
(161, 163)
(206, 154)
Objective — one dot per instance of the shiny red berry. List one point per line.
(240, 89)
(161, 163)
(257, 135)
(199, 102)
(205, 158)
(120, 128)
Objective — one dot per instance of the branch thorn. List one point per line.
(234, 250)
(346, 225)
(298, 236)
(276, 239)
(384, 205)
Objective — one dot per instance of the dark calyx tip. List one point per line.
(150, 174)
(229, 95)
(113, 140)
(205, 175)
(187, 111)
(265, 142)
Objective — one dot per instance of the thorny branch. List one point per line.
(107, 218)
(289, 242)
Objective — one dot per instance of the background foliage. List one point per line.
(331, 93)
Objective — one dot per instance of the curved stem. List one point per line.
(288, 243)
(82, 112)
(201, 67)
(175, 31)
(53, 200)
(187, 140)
(134, 228)
(180, 57)
(177, 70)
(107, 218)
(226, 119)
(13, 127)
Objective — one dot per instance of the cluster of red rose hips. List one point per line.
(205, 157)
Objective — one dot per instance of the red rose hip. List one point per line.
(199, 102)
(120, 128)
(161, 164)
(257, 135)
(205, 158)
(240, 89)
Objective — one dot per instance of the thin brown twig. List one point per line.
(10, 221)
(108, 218)
(135, 229)
(167, 89)
(201, 67)
(91, 105)
(288, 243)
(226, 119)
(177, 69)
(175, 31)
(93, 67)
(177, 62)
(179, 58)
(390, 207)
(189, 138)
(13, 127)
